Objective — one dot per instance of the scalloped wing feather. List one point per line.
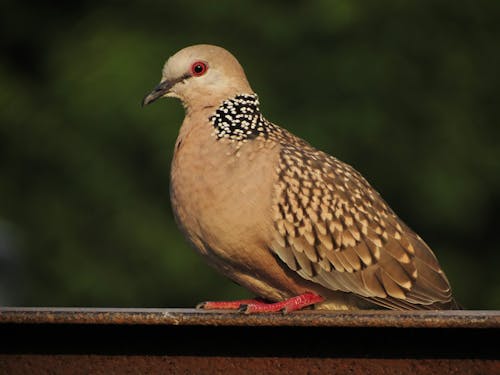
(334, 229)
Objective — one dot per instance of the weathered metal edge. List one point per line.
(314, 318)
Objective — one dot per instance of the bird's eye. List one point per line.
(198, 68)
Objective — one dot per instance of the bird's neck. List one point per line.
(239, 119)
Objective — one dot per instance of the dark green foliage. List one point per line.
(404, 91)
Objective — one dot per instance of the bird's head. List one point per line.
(200, 75)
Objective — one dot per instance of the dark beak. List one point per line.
(158, 92)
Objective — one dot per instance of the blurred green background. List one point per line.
(407, 92)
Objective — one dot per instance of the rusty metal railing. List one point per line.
(186, 341)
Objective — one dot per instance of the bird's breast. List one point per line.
(220, 193)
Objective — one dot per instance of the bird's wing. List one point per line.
(333, 228)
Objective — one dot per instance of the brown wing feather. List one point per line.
(333, 228)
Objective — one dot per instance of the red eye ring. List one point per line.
(198, 68)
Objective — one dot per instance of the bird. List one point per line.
(292, 224)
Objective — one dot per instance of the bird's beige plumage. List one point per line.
(277, 215)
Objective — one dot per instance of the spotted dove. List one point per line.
(291, 223)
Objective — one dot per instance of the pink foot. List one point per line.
(228, 305)
(259, 306)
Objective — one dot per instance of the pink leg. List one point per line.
(228, 305)
(286, 306)
(258, 306)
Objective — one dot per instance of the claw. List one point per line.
(201, 305)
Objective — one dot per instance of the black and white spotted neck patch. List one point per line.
(239, 119)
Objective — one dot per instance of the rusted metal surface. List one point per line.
(184, 341)
(369, 318)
